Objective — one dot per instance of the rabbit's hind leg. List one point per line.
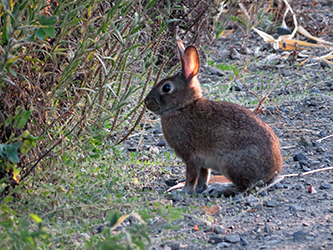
(202, 183)
(221, 189)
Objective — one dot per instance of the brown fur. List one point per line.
(213, 135)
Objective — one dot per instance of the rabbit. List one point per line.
(209, 134)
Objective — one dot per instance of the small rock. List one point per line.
(320, 149)
(325, 185)
(223, 245)
(161, 143)
(303, 163)
(328, 84)
(263, 193)
(305, 141)
(132, 149)
(267, 229)
(272, 203)
(157, 131)
(299, 157)
(314, 90)
(284, 92)
(286, 72)
(273, 242)
(279, 185)
(283, 30)
(324, 65)
(215, 240)
(218, 230)
(296, 208)
(315, 163)
(299, 235)
(251, 200)
(172, 245)
(305, 168)
(215, 71)
(298, 186)
(232, 238)
(244, 242)
(234, 88)
(311, 103)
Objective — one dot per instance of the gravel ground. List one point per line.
(295, 213)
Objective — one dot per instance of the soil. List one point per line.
(295, 213)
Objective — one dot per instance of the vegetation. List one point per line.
(73, 75)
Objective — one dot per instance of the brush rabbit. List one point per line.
(212, 135)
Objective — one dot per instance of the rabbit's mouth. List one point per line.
(153, 106)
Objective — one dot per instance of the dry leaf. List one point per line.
(177, 186)
(304, 32)
(218, 178)
(211, 210)
(312, 190)
(225, 33)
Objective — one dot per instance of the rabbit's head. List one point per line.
(178, 91)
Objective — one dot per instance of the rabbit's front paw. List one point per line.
(187, 190)
(219, 189)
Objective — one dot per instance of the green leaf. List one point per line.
(50, 32)
(47, 20)
(36, 218)
(25, 116)
(11, 151)
(151, 4)
(40, 34)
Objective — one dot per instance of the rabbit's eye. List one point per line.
(166, 88)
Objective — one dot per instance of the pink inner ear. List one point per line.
(190, 62)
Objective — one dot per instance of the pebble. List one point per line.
(314, 90)
(272, 203)
(267, 229)
(305, 141)
(303, 163)
(328, 84)
(299, 157)
(283, 30)
(157, 131)
(218, 230)
(324, 65)
(235, 88)
(215, 71)
(223, 245)
(325, 185)
(215, 240)
(315, 163)
(299, 235)
(251, 200)
(286, 72)
(161, 143)
(171, 245)
(234, 238)
(243, 241)
(298, 186)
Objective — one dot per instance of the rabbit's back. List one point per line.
(225, 137)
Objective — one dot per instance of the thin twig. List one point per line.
(324, 138)
(307, 173)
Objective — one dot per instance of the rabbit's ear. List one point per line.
(190, 60)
